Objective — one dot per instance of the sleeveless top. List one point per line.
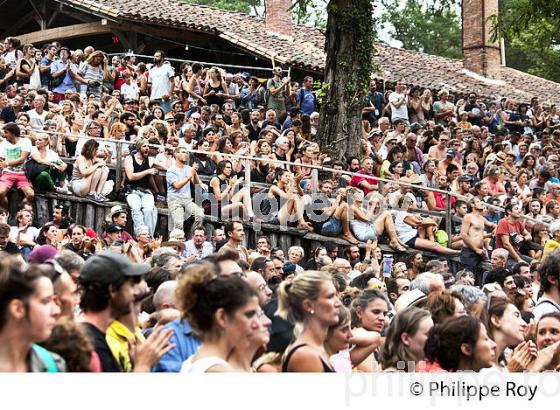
(215, 99)
(201, 365)
(144, 182)
(326, 367)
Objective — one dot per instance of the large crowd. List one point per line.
(196, 299)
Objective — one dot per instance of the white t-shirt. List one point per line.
(402, 111)
(37, 120)
(30, 235)
(545, 305)
(11, 152)
(160, 77)
(130, 91)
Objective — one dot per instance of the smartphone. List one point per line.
(387, 264)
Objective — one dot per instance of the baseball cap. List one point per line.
(108, 267)
(113, 228)
(129, 101)
(451, 153)
(464, 178)
(245, 75)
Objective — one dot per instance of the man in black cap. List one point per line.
(107, 281)
(113, 232)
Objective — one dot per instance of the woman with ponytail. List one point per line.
(459, 344)
(223, 311)
(311, 301)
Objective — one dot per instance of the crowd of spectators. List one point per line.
(194, 299)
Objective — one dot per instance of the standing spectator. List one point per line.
(307, 102)
(443, 109)
(397, 101)
(14, 150)
(160, 79)
(139, 169)
(276, 87)
(92, 74)
(62, 73)
(45, 66)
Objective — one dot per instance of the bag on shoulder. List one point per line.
(32, 168)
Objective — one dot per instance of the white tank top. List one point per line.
(201, 365)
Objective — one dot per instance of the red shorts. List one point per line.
(58, 97)
(9, 179)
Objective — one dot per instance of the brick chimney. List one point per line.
(279, 17)
(480, 54)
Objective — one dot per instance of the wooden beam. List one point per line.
(58, 33)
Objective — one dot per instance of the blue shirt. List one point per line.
(67, 84)
(307, 106)
(186, 344)
(45, 77)
(175, 174)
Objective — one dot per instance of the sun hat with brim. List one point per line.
(172, 243)
(409, 299)
(108, 267)
(501, 156)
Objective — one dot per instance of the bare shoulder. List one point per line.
(305, 359)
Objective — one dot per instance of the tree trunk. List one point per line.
(349, 49)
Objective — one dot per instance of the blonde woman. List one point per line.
(311, 301)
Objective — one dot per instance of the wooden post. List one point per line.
(314, 180)
(448, 219)
(247, 164)
(118, 168)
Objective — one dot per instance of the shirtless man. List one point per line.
(439, 151)
(472, 234)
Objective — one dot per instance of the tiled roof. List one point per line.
(246, 31)
(439, 72)
(306, 49)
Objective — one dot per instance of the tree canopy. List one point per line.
(432, 27)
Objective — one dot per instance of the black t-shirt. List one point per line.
(11, 248)
(475, 109)
(254, 132)
(97, 337)
(8, 115)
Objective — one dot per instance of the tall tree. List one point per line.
(348, 69)
(532, 33)
(429, 26)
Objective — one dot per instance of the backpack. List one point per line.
(47, 358)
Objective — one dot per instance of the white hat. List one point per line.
(410, 298)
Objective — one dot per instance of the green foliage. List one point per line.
(310, 13)
(244, 6)
(531, 30)
(429, 26)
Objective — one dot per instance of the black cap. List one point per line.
(109, 267)
(113, 228)
(129, 101)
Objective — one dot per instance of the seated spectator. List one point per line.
(414, 230)
(231, 200)
(54, 176)
(14, 150)
(89, 173)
